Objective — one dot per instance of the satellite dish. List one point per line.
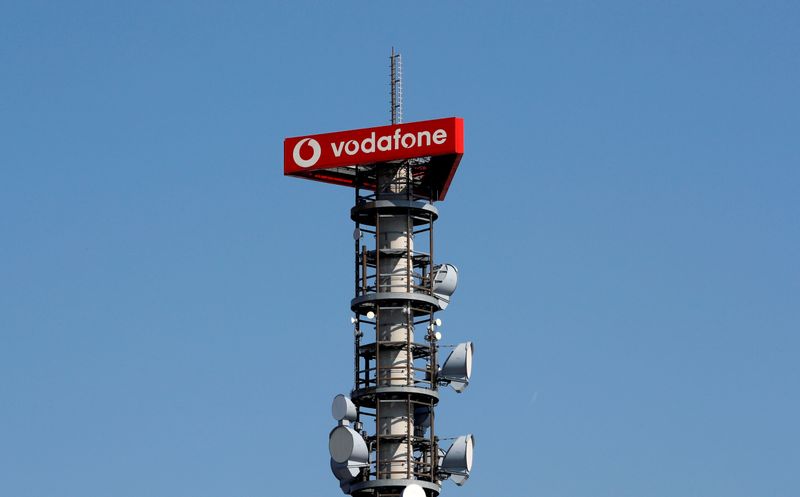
(343, 409)
(345, 471)
(457, 368)
(457, 462)
(345, 444)
(413, 490)
(445, 280)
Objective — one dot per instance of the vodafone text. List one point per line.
(386, 143)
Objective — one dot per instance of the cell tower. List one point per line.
(385, 443)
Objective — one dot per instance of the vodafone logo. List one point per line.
(316, 152)
(389, 143)
(369, 144)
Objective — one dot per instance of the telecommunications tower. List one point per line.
(386, 443)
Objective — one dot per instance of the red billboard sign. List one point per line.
(334, 157)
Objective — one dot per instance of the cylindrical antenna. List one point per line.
(396, 87)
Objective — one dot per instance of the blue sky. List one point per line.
(174, 312)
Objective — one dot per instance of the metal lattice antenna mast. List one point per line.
(396, 87)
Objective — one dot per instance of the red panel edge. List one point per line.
(450, 175)
(459, 121)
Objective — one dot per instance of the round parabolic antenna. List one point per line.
(457, 368)
(459, 457)
(413, 490)
(469, 350)
(343, 408)
(445, 279)
(345, 444)
(470, 447)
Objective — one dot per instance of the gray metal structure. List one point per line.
(386, 443)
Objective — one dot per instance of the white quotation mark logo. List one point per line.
(317, 151)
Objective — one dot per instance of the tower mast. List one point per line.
(385, 443)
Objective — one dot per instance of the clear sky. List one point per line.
(174, 312)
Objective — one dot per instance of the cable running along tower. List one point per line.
(386, 443)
